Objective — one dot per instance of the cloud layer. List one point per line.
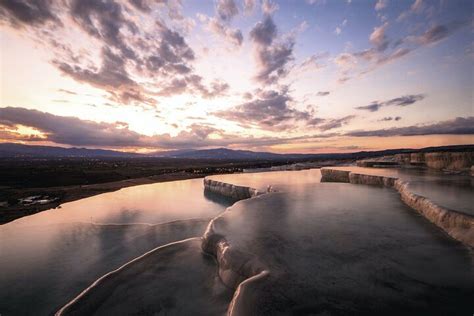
(156, 53)
(400, 101)
(457, 126)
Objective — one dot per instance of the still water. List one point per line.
(453, 191)
(278, 180)
(48, 258)
(343, 249)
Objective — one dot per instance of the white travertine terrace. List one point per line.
(250, 273)
(234, 266)
(243, 271)
(458, 225)
(447, 161)
(228, 190)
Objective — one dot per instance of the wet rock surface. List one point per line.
(365, 253)
(177, 279)
(50, 265)
(48, 258)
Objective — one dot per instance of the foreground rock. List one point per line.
(312, 252)
(176, 279)
(47, 266)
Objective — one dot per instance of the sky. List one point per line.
(301, 76)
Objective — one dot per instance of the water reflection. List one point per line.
(276, 179)
(452, 191)
(218, 198)
(347, 249)
(48, 258)
(151, 204)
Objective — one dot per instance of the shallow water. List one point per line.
(347, 249)
(346, 237)
(50, 257)
(150, 204)
(276, 179)
(178, 279)
(452, 191)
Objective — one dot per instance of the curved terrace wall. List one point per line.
(228, 190)
(458, 225)
(237, 270)
(453, 161)
(234, 266)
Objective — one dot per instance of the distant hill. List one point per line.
(228, 154)
(20, 150)
(10, 150)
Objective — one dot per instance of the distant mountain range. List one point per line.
(12, 150)
(20, 150)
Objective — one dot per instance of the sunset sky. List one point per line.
(281, 76)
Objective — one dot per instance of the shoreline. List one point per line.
(65, 194)
(32, 200)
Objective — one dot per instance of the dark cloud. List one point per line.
(193, 84)
(27, 11)
(434, 34)
(156, 54)
(390, 118)
(112, 77)
(272, 57)
(215, 89)
(373, 107)
(112, 73)
(247, 96)
(144, 5)
(104, 20)
(316, 121)
(439, 32)
(264, 32)
(405, 100)
(322, 93)
(335, 123)
(67, 91)
(272, 61)
(70, 130)
(141, 5)
(226, 9)
(401, 101)
(76, 132)
(457, 126)
(270, 111)
(399, 53)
